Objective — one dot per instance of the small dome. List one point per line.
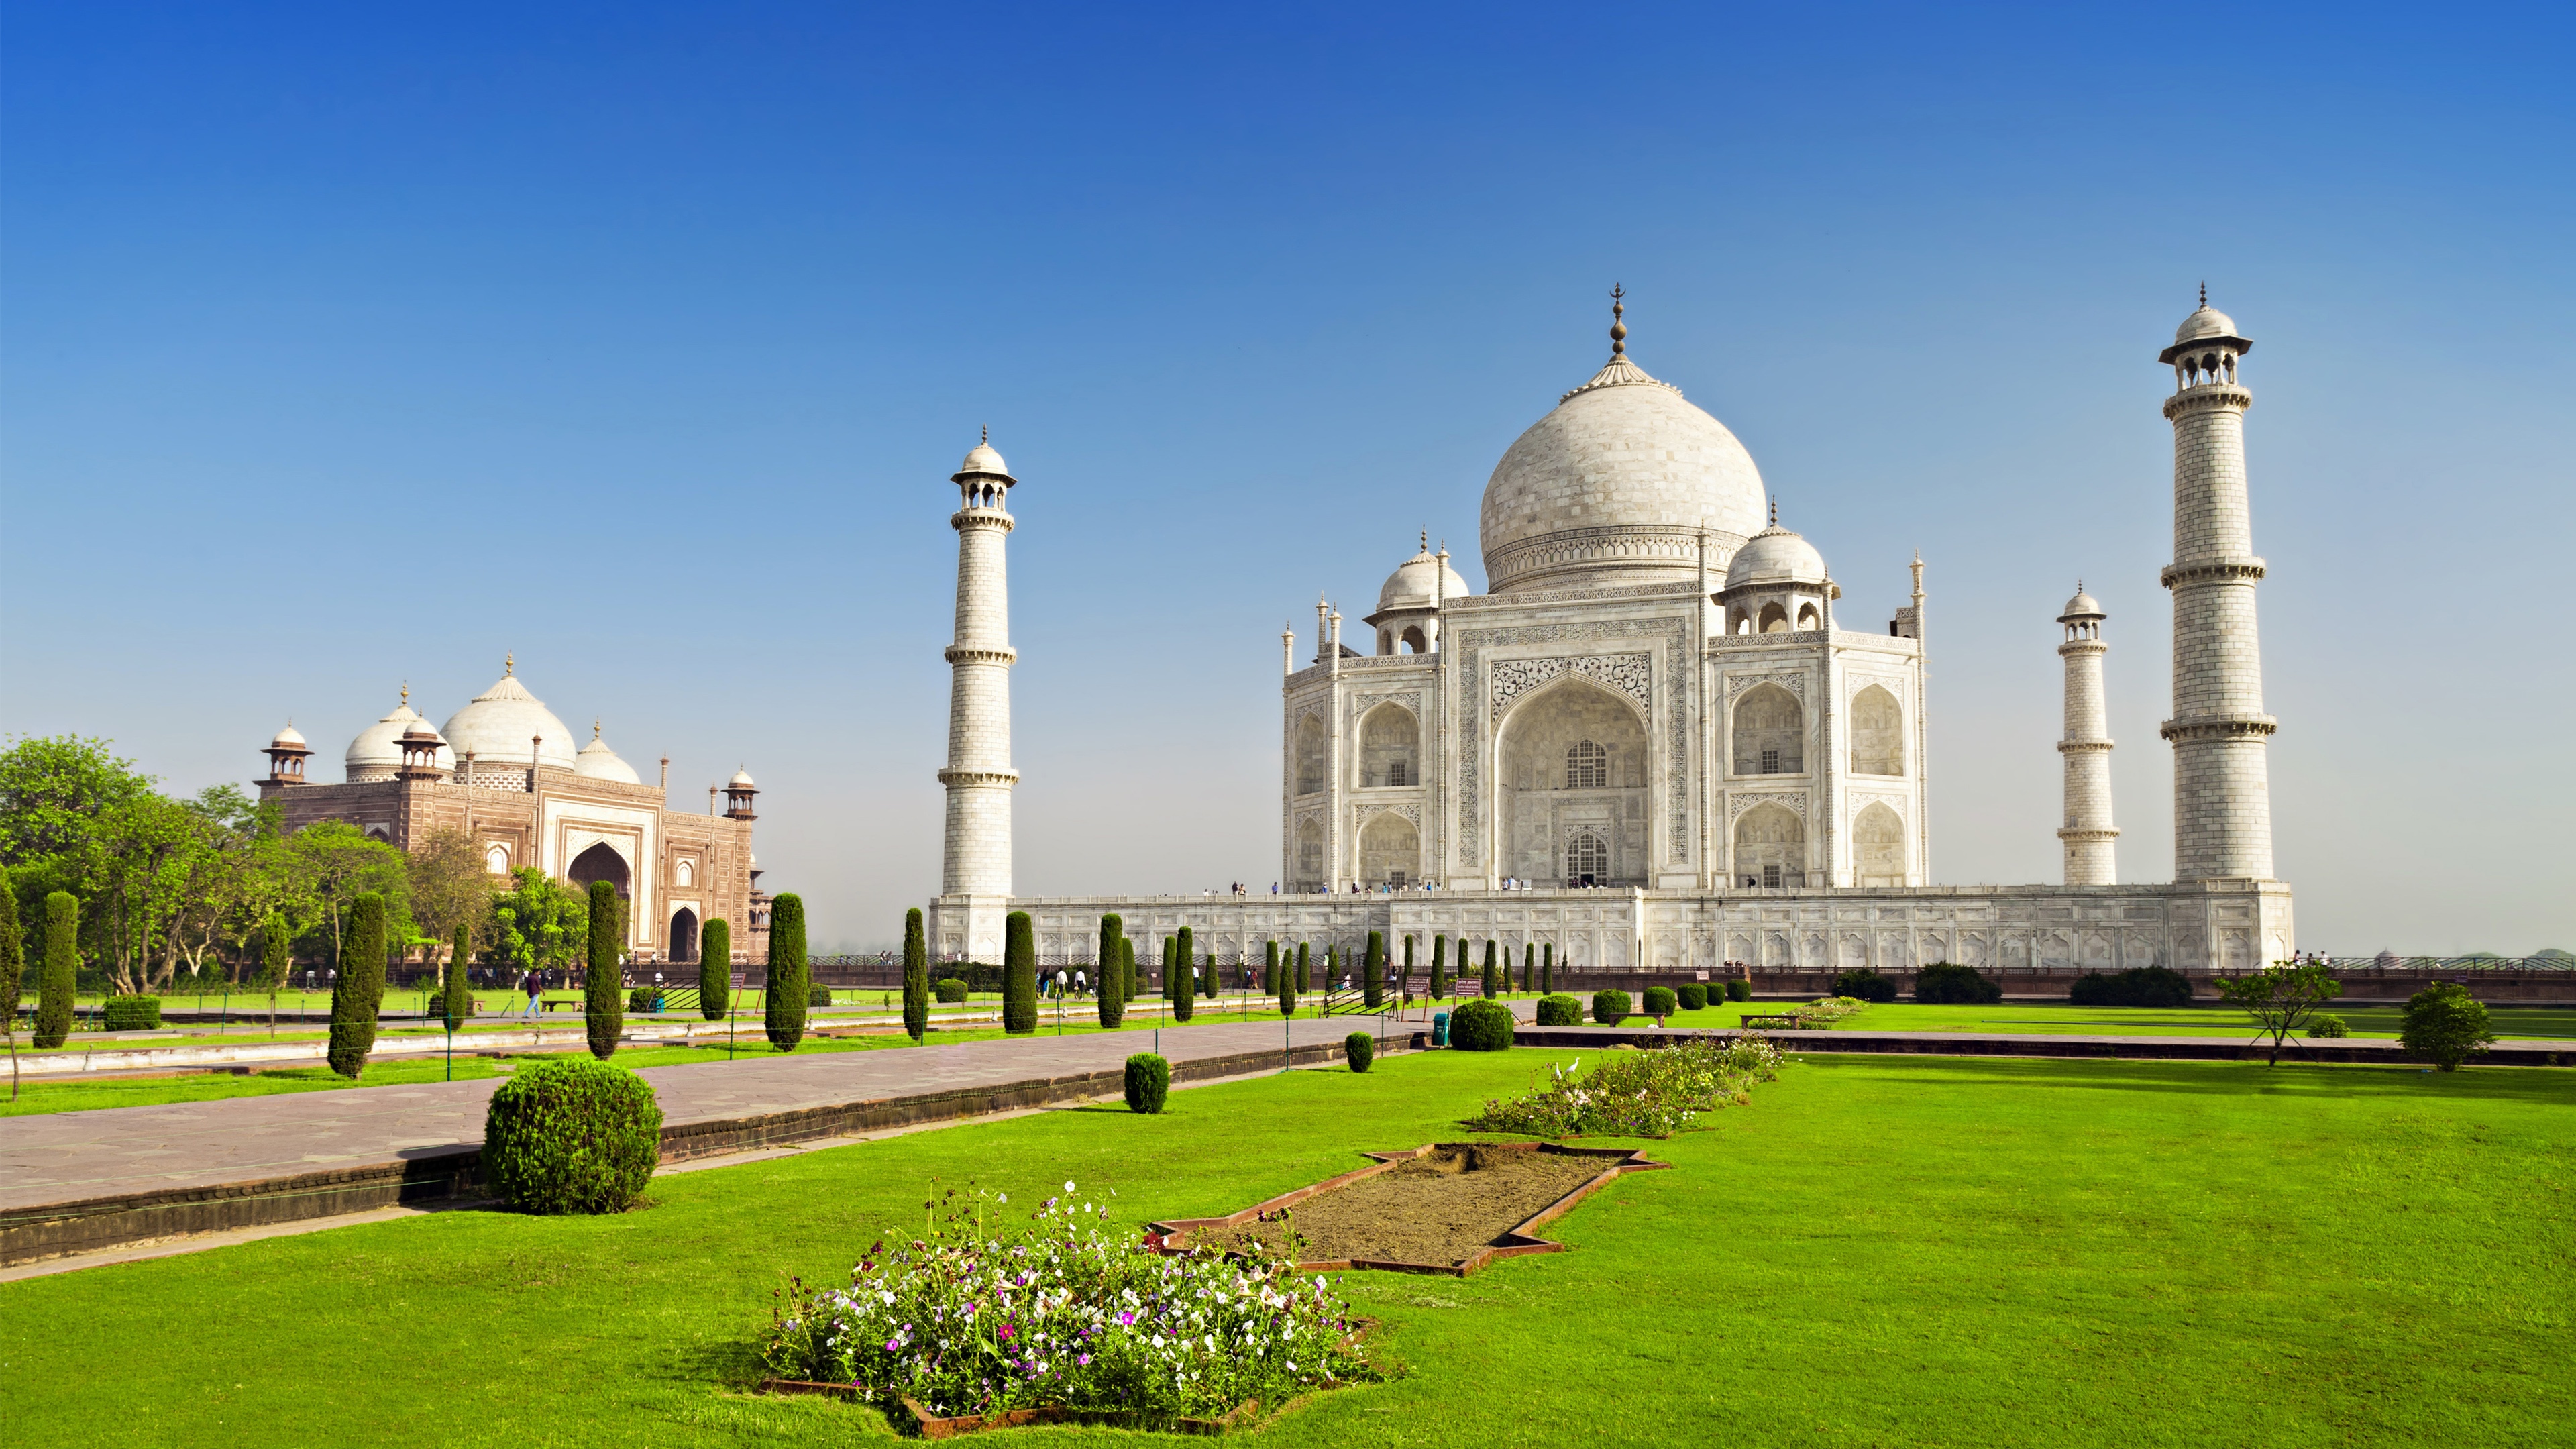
(287, 739)
(741, 780)
(2206, 323)
(2082, 606)
(377, 751)
(1410, 586)
(1776, 556)
(598, 762)
(497, 725)
(982, 459)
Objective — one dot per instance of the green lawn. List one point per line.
(2059, 1019)
(1877, 1252)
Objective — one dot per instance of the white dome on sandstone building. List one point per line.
(377, 751)
(1613, 487)
(497, 725)
(598, 762)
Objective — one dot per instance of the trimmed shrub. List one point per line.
(1954, 985)
(456, 994)
(2445, 1025)
(62, 968)
(1359, 1049)
(1694, 997)
(1739, 990)
(1439, 967)
(2139, 986)
(1529, 965)
(13, 960)
(640, 999)
(1660, 1001)
(1019, 975)
(784, 1019)
(569, 1135)
(1110, 991)
(1185, 985)
(1303, 948)
(1611, 1007)
(1481, 1026)
(951, 990)
(1269, 968)
(1559, 1011)
(1288, 988)
(916, 976)
(599, 1002)
(1494, 982)
(1127, 967)
(1547, 967)
(1149, 1081)
(1865, 984)
(715, 969)
(2326, 1024)
(360, 986)
(1373, 974)
(818, 995)
(132, 1013)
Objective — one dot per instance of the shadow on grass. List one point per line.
(2235, 1079)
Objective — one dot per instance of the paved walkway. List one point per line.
(72, 1156)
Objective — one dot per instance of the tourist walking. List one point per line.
(536, 994)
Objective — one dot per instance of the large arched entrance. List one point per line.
(1572, 796)
(684, 935)
(600, 862)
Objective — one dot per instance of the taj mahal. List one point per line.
(1654, 742)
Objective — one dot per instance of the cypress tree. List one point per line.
(1166, 982)
(1126, 968)
(360, 987)
(1373, 971)
(1408, 953)
(791, 984)
(1493, 980)
(1184, 983)
(916, 977)
(1288, 988)
(1529, 965)
(456, 1002)
(1019, 975)
(1269, 968)
(715, 969)
(13, 966)
(276, 961)
(1112, 984)
(603, 996)
(1547, 969)
(1187, 946)
(1439, 967)
(1303, 984)
(61, 967)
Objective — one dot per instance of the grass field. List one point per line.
(2059, 1019)
(1877, 1252)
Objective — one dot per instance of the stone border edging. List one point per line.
(432, 1174)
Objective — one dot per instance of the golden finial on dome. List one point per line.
(406, 694)
(1618, 329)
(509, 663)
(594, 730)
(1775, 510)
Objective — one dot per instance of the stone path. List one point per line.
(73, 1156)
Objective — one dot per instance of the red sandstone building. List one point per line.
(505, 772)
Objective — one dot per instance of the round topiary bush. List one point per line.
(1559, 1010)
(1955, 985)
(2327, 1024)
(817, 994)
(1611, 1007)
(1359, 1049)
(1694, 997)
(1660, 1001)
(572, 1135)
(1865, 984)
(1149, 1081)
(952, 991)
(1481, 1026)
(2138, 986)
(1739, 990)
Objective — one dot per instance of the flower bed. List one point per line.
(1654, 1092)
(1824, 1011)
(967, 1321)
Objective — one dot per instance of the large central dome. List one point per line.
(1613, 486)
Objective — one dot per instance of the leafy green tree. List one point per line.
(1373, 974)
(2445, 1025)
(2282, 999)
(538, 924)
(715, 969)
(1019, 975)
(276, 961)
(448, 883)
(603, 992)
(1112, 985)
(791, 983)
(54, 990)
(916, 977)
(338, 863)
(456, 996)
(54, 790)
(358, 992)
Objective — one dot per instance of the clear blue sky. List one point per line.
(341, 348)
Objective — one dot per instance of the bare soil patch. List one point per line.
(1443, 1207)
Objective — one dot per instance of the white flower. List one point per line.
(1068, 1184)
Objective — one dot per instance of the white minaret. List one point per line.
(975, 868)
(2222, 787)
(2089, 831)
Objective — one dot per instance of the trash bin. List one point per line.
(1440, 1028)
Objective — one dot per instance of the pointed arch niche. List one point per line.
(1310, 755)
(1878, 847)
(1770, 732)
(1390, 851)
(1770, 848)
(1390, 748)
(1573, 762)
